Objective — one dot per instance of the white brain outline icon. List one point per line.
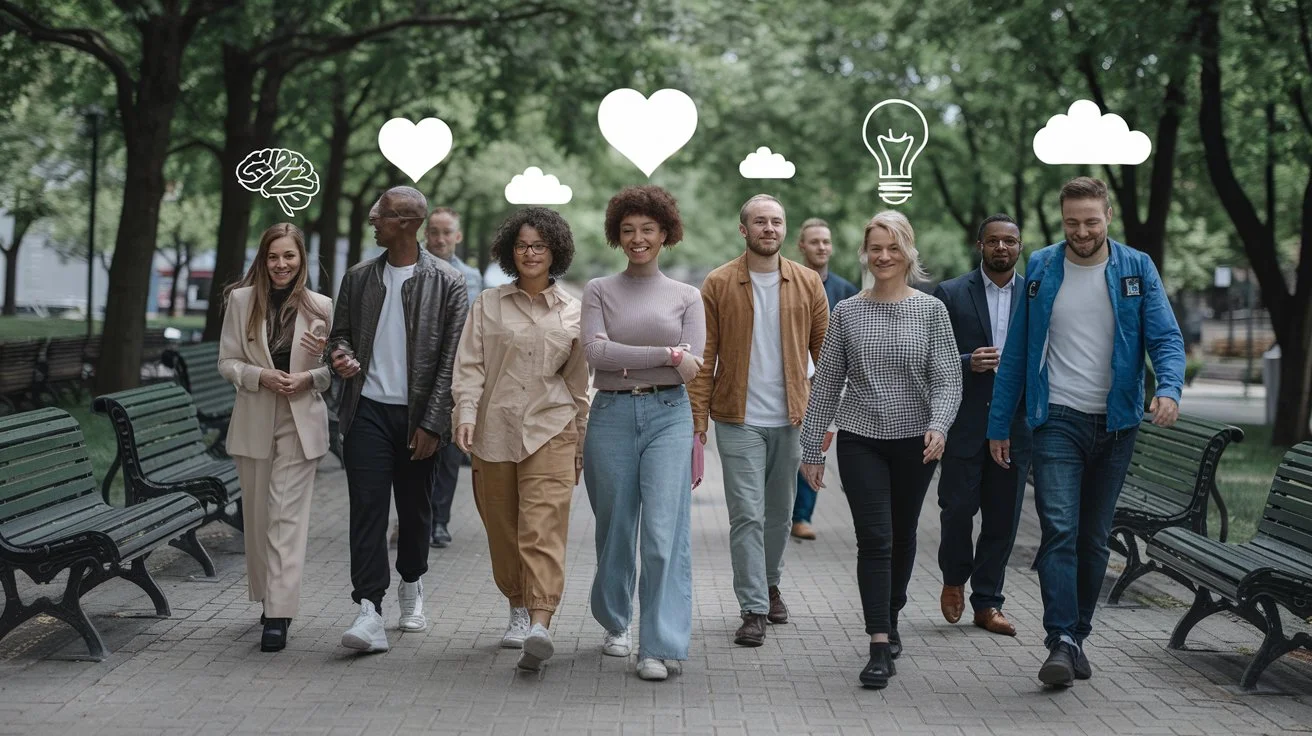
(762, 164)
(281, 174)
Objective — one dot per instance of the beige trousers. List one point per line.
(525, 509)
(275, 508)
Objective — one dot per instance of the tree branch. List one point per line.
(197, 143)
(941, 182)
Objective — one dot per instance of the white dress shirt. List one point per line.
(999, 299)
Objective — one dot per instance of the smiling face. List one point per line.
(999, 248)
(1085, 222)
(641, 239)
(765, 227)
(884, 258)
(283, 262)
(532, 254)
(816, 246)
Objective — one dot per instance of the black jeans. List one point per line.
(885, 483)
(446, 471)
(977, 484)
(378, 468)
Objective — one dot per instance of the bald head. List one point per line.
(405, 201)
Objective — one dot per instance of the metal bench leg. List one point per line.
(109, 480)
(15, 612)
(1274, 646)
(82, 576)
(1203, 607)
(236, 520)
(138, 574)
(1135, 567)
(191, 545)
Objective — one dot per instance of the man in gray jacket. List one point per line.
(395, 330)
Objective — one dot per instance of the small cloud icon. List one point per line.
(1085, 136)
(534, 187)
(762, 164)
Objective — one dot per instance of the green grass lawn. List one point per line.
(1244, 479)
(99, 435)
(26, 327)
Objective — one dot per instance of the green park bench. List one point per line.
(161, 450)
(52, 520)
(18, 372)
(62, 366)
(1255, 578)
(1172, 474)
(196, 368)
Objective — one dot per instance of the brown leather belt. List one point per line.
(641, 390)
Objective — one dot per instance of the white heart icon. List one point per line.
(647, 130)
(414, 149)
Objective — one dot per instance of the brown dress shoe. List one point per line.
(952, 602)
(752, 632)
(991, 619)
(803, 530)
(778, 611)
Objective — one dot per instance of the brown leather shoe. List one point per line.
(992, 620)
(952, 602)
(752, 632)
(778, 611)
(803, 530)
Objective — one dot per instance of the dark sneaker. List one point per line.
(1059, 670)
(275, 634)
(752, 632)
(879, 668)
(441, 537)
(778, 611)
(1082, 669)
(894, 644)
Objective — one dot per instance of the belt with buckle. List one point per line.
(641, 390)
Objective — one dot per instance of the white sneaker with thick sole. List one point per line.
(411, 598)
(517, 630)
(652, 669)
(367, 634)
(537, 648)
(617, 644)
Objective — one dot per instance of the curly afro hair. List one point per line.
(549, 224)
(649, 200)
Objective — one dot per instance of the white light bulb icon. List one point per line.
(899, 145)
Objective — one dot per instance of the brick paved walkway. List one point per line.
(202, 672)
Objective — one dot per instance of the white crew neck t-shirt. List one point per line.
(387, 381)
(767, 398)
(1080, 339)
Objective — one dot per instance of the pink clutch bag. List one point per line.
(698, 462)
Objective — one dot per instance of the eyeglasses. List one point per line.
(996, 242)
(373, 219)
(537, 248)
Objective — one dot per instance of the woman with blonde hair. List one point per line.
(273, 333)
(893, 348)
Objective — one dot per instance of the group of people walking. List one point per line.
(992, 372)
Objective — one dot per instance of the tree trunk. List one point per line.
(355, 230)
(21, 224)
(330, 196)
(1045, 227)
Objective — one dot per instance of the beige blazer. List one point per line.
(250, 431)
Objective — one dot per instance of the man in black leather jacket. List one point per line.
(395, 331)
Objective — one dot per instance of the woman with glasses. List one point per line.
(521, 408)
(644, 334)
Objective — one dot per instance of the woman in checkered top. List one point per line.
(893, 349)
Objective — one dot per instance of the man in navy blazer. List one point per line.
(980, 304)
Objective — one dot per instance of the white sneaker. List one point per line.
(411, 598)
(367, 634)
(652, 669)
(516, 630)
(617, 644)
(537, 648)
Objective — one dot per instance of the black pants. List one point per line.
(446, 470)
(977, 484)
(885, 483)
(379, 468)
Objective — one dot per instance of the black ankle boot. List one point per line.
(879, 668)
(275, 634)
(894, 644)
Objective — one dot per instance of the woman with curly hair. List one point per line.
(521, 409)
(273, 329)
(643, 333)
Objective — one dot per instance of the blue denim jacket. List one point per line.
(1144, 320)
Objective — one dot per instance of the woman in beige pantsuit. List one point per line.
(270, 350)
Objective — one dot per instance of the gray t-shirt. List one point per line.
(1080, 339)
(767, 399)
(387, 382)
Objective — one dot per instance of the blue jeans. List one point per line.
(637, 464)
(1079, 468)
(804, 504)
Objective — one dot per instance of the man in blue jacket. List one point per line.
(1075, 350)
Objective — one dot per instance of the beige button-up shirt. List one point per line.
(521, 377)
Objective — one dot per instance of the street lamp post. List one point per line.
(93, 115)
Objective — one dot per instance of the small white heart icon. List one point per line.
(414, 149)
(647, 130)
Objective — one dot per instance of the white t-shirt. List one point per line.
(767, 398)
(1080, 339)
(387, 381)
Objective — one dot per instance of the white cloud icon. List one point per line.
(534, 187)
(761, 164)
(1085, 136)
